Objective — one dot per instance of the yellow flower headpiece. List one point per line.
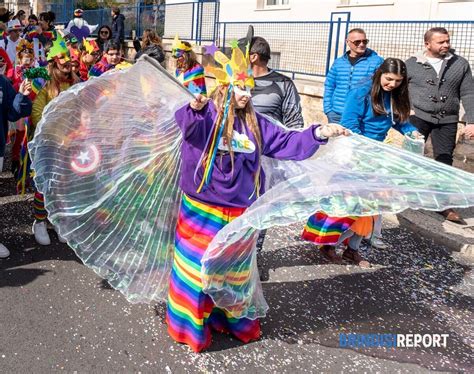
(235, 71)
(178, 47)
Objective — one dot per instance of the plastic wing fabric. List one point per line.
(351, 176)
(107, 159)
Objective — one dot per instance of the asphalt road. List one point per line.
(56, 314)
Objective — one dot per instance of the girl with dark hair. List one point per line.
(103, 36)
(47, 32)
(32, 20)
(386, 103)
(188, 69)
(21, 16)
(372, 108)
(32, 25)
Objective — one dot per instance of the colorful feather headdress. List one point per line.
(58, 50)
(234, 73)
(178, 48)
(24, 46)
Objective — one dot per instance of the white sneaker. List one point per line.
(4, 252)
(41, 233)
(378, 243)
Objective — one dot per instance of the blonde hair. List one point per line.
(246, 115)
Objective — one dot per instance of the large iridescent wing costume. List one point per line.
(351, 176)
(107, 158)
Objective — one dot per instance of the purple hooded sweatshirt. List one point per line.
(235, 189)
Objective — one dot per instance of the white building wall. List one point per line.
(303, 47)
(366, 10)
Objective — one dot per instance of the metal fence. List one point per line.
(196, 21)
(296, 47)
(299, 48)
(309, 48)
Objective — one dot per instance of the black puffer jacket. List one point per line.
(155, 51)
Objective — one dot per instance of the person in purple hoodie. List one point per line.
(221, 175)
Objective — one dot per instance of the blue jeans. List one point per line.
(333, 117)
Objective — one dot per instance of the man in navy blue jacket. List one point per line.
(358, 63)
(13, 106)
(118, 26)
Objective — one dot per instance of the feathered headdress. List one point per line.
(24, 46)
(178, 47)
(58, 50)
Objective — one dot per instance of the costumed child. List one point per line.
(221, 175)
(90, 55)
(61, 78)
(112, 59)
(26, 60)
(372, 108)
(75, 56)
(13, 106)
(41, 35)
(188, 69)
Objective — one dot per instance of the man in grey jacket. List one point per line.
(438, 81)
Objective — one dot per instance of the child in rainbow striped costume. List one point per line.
(221, 176)
(188, 70)
(373, 107)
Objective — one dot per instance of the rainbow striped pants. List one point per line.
(191, 314)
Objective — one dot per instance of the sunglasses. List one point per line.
(104, 33)
(359, 42)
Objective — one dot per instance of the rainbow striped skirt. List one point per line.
(325, 230)
(191, 314)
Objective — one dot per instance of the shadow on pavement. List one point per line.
(408, 292)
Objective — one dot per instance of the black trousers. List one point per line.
(443, 138)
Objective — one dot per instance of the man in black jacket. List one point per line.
(438, 81)
(274, 94)
(118, 26)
